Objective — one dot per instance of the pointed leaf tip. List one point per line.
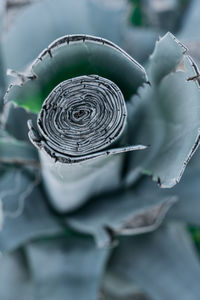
(166, 56)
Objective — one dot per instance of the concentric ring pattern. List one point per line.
(82, 115)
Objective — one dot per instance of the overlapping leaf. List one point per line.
(73, 268)
(137, 210)
(168, 115)
(73, 56)
(13, 151)
(164, 263)
(25, 212)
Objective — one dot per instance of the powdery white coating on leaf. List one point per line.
(170, 110)
(70, 185)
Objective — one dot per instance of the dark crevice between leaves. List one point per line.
(18, 3)
(66, 233)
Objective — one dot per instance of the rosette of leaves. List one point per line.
(54, 247)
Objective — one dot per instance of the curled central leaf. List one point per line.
(82, 115)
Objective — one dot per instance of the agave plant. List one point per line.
(81, 216)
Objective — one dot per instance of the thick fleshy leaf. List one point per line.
(163, 263)
(73, 268)
(72, 56)
(25, 214)
(55, 68)
(15, 277)
(83, 17)
(13, 151)
(187, 209)
(166, 57)
(170, 114)
(70, 185)
(127, 212)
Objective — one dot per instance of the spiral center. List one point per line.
(83, 115)
(79, 114)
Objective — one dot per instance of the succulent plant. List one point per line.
(92, 149)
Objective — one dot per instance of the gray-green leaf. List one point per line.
(125, 212)
(72, 268)
(26, 215)
(168, 115)
(14, 151)
(164, 263)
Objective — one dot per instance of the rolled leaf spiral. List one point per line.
(83, 115)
